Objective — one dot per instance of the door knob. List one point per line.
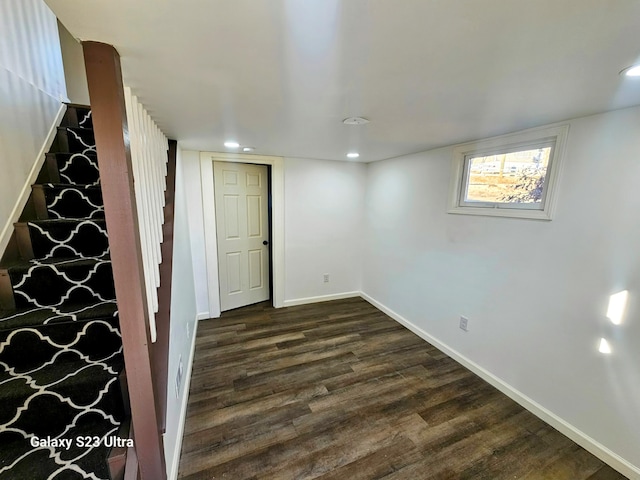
(265, 243)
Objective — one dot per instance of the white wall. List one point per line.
(32, 89)
(323, 219)
(535, 292)
(323, 227)
(74, 69)
(193, 196)
(183, 315)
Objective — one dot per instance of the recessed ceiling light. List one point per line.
(248, 149)
(355, 121)
(353, 155)
(632, 71)
(231, 144)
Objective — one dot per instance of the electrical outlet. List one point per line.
(188, 331)
(179, 377)
(464, 323)
(326, 278)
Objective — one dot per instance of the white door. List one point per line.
(242, 225)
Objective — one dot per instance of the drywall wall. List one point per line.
(193, 197)
(74, 70)
(32, 89)
(535, 292)
(183, 325)
(323, 203)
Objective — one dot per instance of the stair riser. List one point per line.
(7, 300)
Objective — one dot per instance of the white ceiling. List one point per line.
(280, 75)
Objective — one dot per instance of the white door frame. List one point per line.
(209, 214)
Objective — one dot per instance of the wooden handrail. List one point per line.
(106, 92)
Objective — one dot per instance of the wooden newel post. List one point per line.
(104, 78)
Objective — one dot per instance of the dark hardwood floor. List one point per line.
(338, 390)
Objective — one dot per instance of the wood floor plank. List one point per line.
(253, 407)
(378, 463)
(338, 390)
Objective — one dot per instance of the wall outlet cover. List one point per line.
(464, 323)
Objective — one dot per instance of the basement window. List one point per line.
(509, 176)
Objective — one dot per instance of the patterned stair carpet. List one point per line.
(61, 362)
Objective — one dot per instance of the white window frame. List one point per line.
(554, 136)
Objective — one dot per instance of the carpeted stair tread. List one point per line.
(96, 339)
(84, 117)
(78, 312)
(73, 201)
(77, 168)
(52, 282)
(68, 377)
(76, 139)
(88, 442)
(65, 238)
(48, 393)
(61, 361)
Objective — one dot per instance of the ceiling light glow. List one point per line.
(604, 346)
(632, 71)
(353, 155)
(617, 306)
(231, 144)
(248, 149)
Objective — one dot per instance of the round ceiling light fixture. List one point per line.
(355, 121)
(231, 144)
(632, 71)
(353, 155)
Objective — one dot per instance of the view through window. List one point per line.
(515, 177)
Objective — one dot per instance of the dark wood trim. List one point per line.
(117, 458)
(104, 78)
(160, 349)
(7, 300)
(51, 166)
(23, 238)
(39, 202)
(131, 468)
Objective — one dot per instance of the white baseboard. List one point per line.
(22, 199)
(173, 469)
(582, 439)
(203, 316)
(320, 298)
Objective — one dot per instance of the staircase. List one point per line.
(62, 385)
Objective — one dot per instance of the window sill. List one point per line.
(502, 212)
